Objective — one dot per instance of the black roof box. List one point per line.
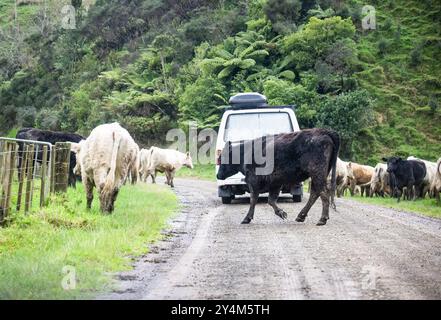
(248, 100)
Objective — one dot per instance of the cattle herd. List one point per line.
(109, 157)
(409, 178)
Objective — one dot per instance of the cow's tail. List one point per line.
(110, 179)
(333, 165)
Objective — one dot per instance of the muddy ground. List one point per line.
(364, 252)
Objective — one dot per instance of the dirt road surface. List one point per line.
(364, 252)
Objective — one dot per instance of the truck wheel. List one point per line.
(226, 200)
(297, 198)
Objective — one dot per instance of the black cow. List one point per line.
(298, 156)
(407, 174)
(51, 137)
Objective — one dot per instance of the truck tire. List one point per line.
(227, 200)
(297, 198)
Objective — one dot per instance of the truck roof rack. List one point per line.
(252, 100)
(248, 101)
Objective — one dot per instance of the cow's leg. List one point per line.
(272, 201)
(352, 186)
(153, 173)
(313, 196)
(254, 197)
(88, 185)
(167, 176)
(172, 176)
(134, 174)
(324, 196)
(72, 180)
(399, 192)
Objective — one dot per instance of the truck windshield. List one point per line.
(246, 126)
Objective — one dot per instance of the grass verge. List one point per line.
(40, 251)
(427, 207)
(200, 171)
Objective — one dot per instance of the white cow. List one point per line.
(429, 179)
(145, 156)
(168, 161)
(341, 177)
(105, 160)
(380, 180)
(437, 181)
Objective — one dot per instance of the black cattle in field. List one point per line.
(298, 156)
(407, 174)
(51, 137)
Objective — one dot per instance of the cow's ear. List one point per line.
(384, 159)
(350, 164)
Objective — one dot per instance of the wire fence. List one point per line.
(29, 172)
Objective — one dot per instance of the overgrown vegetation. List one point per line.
(154, 64)
(38, 251)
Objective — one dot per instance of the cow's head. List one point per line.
(188, 162)
(393, 163)
(227, 167)
(75, 148)
(107, 200)
(350, 171)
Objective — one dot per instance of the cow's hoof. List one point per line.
(322, 222)
(246, 221)
(282, 214)
(300, 219)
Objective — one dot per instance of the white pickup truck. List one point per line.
(250, 117)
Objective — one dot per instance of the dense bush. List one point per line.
(154, 65)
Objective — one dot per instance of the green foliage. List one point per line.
(152, 65)
(348, 114)
(303, 48)
(283, 14)
(200, 102)
(240, 53)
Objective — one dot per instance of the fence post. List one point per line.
(43, 177)
(30, 172)
(62, 163)
(52, 169)
(10, 153)
(22, 174)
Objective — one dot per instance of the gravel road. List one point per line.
(364, 252)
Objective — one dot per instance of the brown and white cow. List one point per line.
(168, 161)
(379, 184)
(360, 175)
(105, 160)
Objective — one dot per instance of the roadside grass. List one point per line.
(35, 248)
(427, 207)
(200, 171)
